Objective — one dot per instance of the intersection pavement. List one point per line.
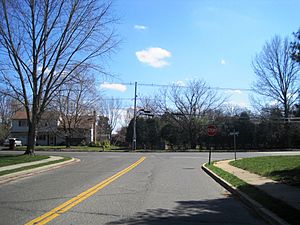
(165, 188)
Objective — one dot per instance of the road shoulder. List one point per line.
(266, 214)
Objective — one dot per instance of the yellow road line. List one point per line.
(64, 207)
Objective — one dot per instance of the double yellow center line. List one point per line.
(55, 212)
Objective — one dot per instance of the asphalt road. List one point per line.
(166, 188)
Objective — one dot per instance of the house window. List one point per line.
(42, 137)
(22, 123)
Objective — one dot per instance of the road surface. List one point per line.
(164, 188)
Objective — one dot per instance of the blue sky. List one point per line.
(168, 41)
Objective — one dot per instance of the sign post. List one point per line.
(211, 131)
(234, 134)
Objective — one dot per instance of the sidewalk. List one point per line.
(29, 172)
(290, 195)
(20, 165)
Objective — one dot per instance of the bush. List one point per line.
(83, 143)
(94, 144)
(105, 144)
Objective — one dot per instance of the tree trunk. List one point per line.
(286, 125)
(193, 142)
(193, 139)
(31, 139)
(68, 144)
(287, 135)
(110, 136)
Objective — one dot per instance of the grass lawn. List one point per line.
(285, 169)
(280, 208)
(72, 148)
(7, 160)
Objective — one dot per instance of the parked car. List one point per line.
(18, 142)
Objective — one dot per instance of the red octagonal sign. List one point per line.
(211, 130)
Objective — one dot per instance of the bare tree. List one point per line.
(233, 110)
(5, 108)
(156, 103)
(6, 112)
(276, 74)
(8, 107)
(42, 42)
(296, 47)
(191, 104)
(127, 116)
(152, 104)
(111, 109)
(76, 102)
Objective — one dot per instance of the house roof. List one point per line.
(84, 121)
(20, 115)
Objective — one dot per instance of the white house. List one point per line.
(52, 131)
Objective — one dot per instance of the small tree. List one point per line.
(76, 102)
(174, 135)
(6, 113)
(271, 131)
(119, 139)
(102, 128)
(190, 105)
(111, 109)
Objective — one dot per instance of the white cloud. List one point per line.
(154, 56)
(140, 27)
(234, 92)
(179, 83)
(113, 86)
(47, 71)
(241, 104)
(273, 103)
(223, 62)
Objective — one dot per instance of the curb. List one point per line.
(266, 214)
(26, 173)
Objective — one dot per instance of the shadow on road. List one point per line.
(217, 211)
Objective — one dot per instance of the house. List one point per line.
(19, 126)
(53, 129)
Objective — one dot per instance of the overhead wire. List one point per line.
(183, 86)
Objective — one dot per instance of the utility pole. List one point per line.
(134, 118)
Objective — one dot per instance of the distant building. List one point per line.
(52, 129)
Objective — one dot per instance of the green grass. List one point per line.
(72, 148)
(33, 166)
(285, 169)
(7, 160)
(280, 208)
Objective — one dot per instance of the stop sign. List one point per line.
(211, 130)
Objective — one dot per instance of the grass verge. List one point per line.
(285, 169)
(33, 166)
(7, 160)
(72, 148)
(286, 212)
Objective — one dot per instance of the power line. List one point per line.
(114, 99)
(183, 86)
